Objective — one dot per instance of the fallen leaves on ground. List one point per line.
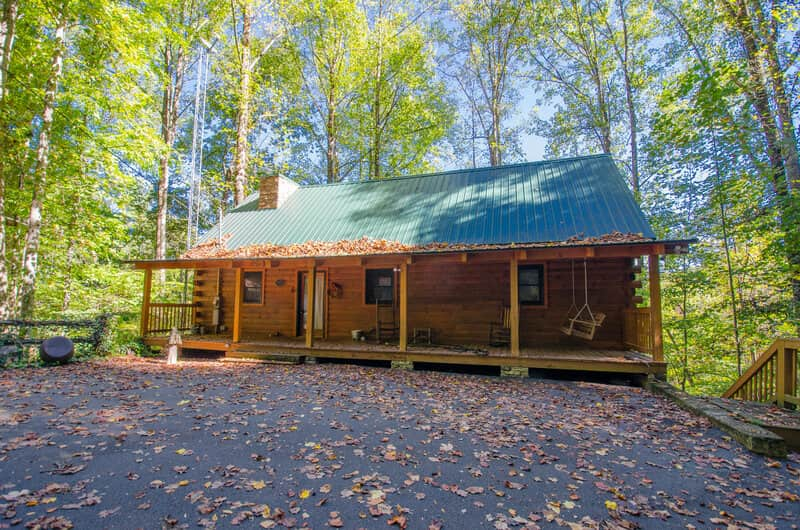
(214, 445)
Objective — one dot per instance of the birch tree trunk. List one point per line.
(243, 112)
(8, 25)
(31, 251)
(7, 35)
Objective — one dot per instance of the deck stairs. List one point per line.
(772, 378)
(767, 394)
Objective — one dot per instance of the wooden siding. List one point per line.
(457, 300)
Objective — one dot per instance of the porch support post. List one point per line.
(655, 308)
(404, 306)
(514, 323)
(780, 375)
(144, 324)
(237, 305)
(311, 287)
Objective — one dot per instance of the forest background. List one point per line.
(127, 126)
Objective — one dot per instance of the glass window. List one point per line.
(531, 284)
(253, 287)
(379, 286)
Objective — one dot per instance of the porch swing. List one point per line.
(582, 323)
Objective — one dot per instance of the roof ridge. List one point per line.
(456, 171)
(254, 195)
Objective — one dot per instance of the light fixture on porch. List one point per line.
(280, 282)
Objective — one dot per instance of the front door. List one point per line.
(319, 303)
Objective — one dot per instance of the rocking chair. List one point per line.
(500, 332)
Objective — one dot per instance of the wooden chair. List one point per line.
(500, 332)
(386, 326)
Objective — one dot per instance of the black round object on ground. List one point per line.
(56, 350)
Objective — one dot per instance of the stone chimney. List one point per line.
(273, 190)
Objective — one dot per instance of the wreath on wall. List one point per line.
(334, 290)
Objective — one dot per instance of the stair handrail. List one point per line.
(762, 359)
(778, 376)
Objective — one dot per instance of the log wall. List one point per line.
(457, 300)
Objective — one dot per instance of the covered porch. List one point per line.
(452, 297)
(554, 357)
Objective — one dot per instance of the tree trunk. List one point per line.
(757, 91)
(332, 154)
(174, 68)
(602, 113)
(624, 57)
(31, 252)
(776, 75)
(495, 154)
(726, 247)
(4, 302)
(790, 216)
(8, 26)
(684, 326)
(65, 301)
(243, 112)
(7, 35)
(375, 148)
(163, 193)
(782, 158)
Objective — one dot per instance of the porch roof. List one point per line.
(523, 252)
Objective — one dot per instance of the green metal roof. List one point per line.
(537, 202)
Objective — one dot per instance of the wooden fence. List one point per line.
(772, 377)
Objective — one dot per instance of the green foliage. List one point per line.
(726, 302)
(353, 90)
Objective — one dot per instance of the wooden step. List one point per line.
(263, 357)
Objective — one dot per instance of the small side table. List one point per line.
(421, 335)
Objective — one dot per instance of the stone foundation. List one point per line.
(403, 365)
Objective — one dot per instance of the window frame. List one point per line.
(365, 289)
(261, 292)
(542, 284)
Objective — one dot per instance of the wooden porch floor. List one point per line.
(555, 357)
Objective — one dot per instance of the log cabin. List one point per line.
(526, 266)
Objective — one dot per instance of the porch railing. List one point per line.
(772, 377)
(161, 317)
(637, 329)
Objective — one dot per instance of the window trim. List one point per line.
(542, 284)
(364, 284)
(262, 293)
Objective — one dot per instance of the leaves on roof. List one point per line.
(366, 246)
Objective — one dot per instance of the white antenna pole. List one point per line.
(201, 140)
(219, 225)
